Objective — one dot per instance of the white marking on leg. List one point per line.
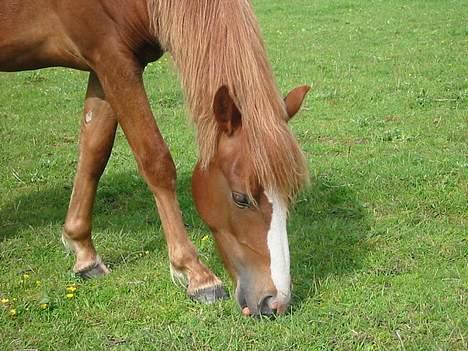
(277, 240)
(67, 244)
(88, 116)
(178, 277)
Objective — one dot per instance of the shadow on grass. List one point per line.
(327, 225)
(327, 231)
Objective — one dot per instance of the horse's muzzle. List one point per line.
(265, 304)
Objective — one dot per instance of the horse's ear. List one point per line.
(226, 112)
(294, 99)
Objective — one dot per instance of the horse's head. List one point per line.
(247, 220)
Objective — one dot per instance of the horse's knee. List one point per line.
(157, 166)
(97, 135)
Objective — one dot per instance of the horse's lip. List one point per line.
(242, 302)
(240, 299)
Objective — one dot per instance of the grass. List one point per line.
(378, 242)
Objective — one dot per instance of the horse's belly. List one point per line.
(19, 56)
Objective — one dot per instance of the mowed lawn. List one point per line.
(378, 241)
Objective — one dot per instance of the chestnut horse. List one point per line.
(250, 165)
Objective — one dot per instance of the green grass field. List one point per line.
(378, 241)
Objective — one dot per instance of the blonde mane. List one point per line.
(218, 42)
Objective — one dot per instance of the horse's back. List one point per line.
(32, 36)
(44, 33)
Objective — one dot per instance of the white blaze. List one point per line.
(277, 239)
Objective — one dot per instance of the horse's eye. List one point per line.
(241, 200)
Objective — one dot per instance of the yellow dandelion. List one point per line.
(13, 312)
(44, 306)
(71, 289)
(205, 238)
(38, 283)
(70, 296)
(4, 301)
(26, 276)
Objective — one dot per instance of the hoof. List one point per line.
(94, 270)
(209, 295)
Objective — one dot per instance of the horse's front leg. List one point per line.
(123, 86)
(96, 139)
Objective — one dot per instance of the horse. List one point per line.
(250, 165)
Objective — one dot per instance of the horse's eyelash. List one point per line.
(241, 200)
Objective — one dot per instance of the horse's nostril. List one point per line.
(265, 306)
